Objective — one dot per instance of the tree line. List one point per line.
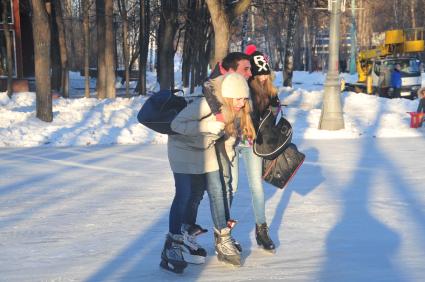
(132, 37)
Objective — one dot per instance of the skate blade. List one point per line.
(193, 259)
(170, 268)
(228, 262)
(273, 251)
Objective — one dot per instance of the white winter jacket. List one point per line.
(193, 151)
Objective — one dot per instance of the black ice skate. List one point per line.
(263, 238)
(171, 256)
(191, 250)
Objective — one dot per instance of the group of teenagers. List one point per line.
(215, 131)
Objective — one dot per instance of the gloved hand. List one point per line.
(214, 127)
(229, 146)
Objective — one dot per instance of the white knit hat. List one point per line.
(234, 86)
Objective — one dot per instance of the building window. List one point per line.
(9, 12)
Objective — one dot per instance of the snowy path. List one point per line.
(355, 212)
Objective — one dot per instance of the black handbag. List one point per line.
(272, 136)
(160, 109)
(279, 171)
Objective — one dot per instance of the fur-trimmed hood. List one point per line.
(214, 85)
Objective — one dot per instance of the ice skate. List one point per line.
(263, 238)
(225, 248)
(171, 256)
(191, 250)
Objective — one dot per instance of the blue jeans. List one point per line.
(197, 188)
(253, 167)
(181, 198)
(198, 183)
(217, 200)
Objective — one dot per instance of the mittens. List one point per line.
(230, 149)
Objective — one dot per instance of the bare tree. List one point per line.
(86, 31)
(122, 6)
(41, 35)
(9, 57)
(290, 43)
(222, 15)
(64, 81)
(70, 23)
(166, 34)
(55, 65)
(195, 44)
(109, 49)
(143, 44)
(307, 39)
(412, 12)
(101, 67)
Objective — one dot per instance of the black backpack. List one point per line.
(160, 109)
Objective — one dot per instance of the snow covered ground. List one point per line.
(72, 212)
(88, 121)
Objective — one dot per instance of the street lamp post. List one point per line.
(331, 117)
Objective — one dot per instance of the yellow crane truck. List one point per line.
(374, 66)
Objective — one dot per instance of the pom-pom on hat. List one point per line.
(234, 86)
(251, 48)
(259, 64)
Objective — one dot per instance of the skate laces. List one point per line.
(228, 242)
(190, 241)
(174, 250)
(189, 235)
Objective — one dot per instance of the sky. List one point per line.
(87, 197)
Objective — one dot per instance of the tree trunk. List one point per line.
(69, 27)
(62, 48)
(222, 16)
(123, 11)
(279, 34)
(109, 50)
(9, 55)
(86, 32)
(101, 67)
(307, 33)
(266, 34)
(166, 34)
(412, 11)
(55, 65)
(244, 31)
(143, 44)
(395, 8)
(290, 43)
(189, 42)
(41, 35)
(221, 25)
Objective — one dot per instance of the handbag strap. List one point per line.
(269, 168)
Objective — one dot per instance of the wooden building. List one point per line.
(19, 25)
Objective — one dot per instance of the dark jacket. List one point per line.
(396, 79)
(421, 106)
